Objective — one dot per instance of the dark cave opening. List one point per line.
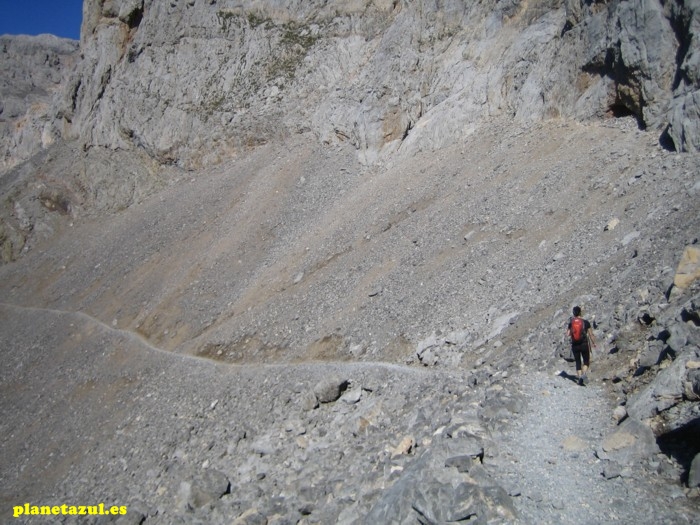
(619, 110)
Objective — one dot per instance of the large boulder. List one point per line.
(633, 441)
(665, 391)
(330, 389)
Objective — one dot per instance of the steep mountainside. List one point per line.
(312, 262)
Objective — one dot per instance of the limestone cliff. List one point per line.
(192, 81)
(33, 71)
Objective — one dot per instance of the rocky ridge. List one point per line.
(347, 325)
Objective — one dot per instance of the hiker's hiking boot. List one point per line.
(584, 380)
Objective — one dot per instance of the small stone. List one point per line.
(574, 443)
(207, 487)
(375, 291)
(612, 470)
(630, 237)
(406, 446)
(308, 400)
(619, 413)
(250, 517)
(352, 396)
(612, 224)
(263, 446)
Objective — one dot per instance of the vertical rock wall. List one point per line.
(193, 81)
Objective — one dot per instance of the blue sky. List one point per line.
(33, 17)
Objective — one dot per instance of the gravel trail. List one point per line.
(551, 461)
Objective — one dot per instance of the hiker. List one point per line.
(581, 334)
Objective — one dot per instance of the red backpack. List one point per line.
(578, 330)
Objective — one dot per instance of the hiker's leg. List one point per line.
(586, 359)
(577, 357)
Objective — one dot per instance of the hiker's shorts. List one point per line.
(581, 350)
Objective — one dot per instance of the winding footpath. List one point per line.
(141, 342)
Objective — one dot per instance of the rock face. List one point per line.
(194, 82)
(33, 73)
